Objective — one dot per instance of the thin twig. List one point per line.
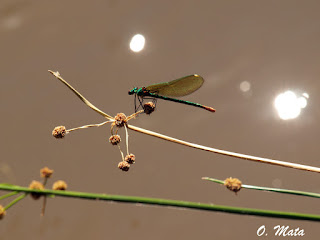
(44, 205)
(57, 75)
(45, 181)
(121, 152)
(227, 153)
(127, 139)
(279, 190)
(87, 126)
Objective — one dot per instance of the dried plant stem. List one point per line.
(44, 205)
(87, 126)
(45, 181)
(134, 115)
(89, 104)
(227, 153)
(111, 129)
(127, 139)
(121, 152)
(166, 202)
(214, 150)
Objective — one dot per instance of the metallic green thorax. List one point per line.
(139, 91)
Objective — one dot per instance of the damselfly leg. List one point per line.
(141, 100)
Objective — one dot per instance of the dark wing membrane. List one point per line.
(177, 88)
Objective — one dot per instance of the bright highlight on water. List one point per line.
(137, 43)
(175, 88)
(289, 105)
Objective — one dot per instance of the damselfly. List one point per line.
(175, 88)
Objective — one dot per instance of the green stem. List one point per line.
(15, 201)
(285, 191)
(8, 195)
(165, 202)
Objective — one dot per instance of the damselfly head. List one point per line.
(132, 91)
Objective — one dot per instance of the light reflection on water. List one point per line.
(137, 43)
(289, 105)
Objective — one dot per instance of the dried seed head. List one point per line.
(130, 158)
(120, 119)
(149, 107)
(46, 172)
(115, 139)
(233, 184)
(124, 166)
(2, 212)
(59, 132)
(59, 185)
(36, 185)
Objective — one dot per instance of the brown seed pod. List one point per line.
(233, 184)
(59, 132)
(46, 172)
(59, 185)
(149, 107)
(2, 212)
(36, 185)
(130, 158)
(115, 139)
(120, 119)
(124, 166)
